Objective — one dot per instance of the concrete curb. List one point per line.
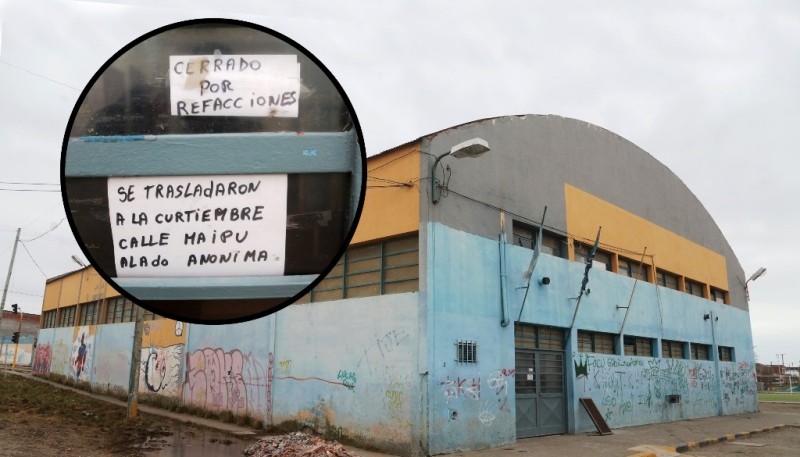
(694, 445)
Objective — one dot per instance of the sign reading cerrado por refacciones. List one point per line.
(234, 85)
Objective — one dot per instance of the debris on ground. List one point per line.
(297, 444)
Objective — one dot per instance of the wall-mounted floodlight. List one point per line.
(470, 148)
(78, 261)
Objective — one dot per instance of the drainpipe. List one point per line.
(716, 363)
(503, 311)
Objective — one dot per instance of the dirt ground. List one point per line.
(38, 419)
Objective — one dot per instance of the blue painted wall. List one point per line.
(112, 358)
(472, 405)
(350, 368)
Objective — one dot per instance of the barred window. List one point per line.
(88, 313)
(672, 349)
(529, 336)
(119, 309)
(385, 267)
(633, 269)
(718, 295)
(525, 235)
(667, 280)
(49, 319)
(725, 354)
(466, 351)
(603, 343)
(700, 351)
(67, 316)
(635, 345)
(694, 288)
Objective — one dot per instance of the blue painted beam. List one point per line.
(204, 154)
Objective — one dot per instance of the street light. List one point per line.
(759, 273)
(78, 261)
(470, 148)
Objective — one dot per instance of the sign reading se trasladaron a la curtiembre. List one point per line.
(180, 226)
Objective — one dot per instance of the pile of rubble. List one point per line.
(297, 444)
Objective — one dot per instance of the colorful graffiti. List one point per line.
(42, 357)
(81, 355)
(218, 380)
(160, 370)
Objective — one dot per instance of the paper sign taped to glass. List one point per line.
(184, 226)
(234, 85)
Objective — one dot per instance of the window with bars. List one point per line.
(665, 279)
(633, 269)
(725, 354)
(700, 351)
(636, 345)
(602, 259)
(529, 336)
(88, 313)
(385, 267)
(718, 295)
(694, 288)
(49, 319)
(603, 343)
(525, 235)
(672, 349)
(466, 351)
(119, 309)
(67, 316)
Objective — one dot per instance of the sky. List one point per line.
(709, 88)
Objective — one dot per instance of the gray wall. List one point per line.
(533, 156)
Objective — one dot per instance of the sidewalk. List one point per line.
(655, 440)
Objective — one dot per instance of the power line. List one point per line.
(30, 190)
(29, 183)
(37, 74)
(45, 233)
(34, 260)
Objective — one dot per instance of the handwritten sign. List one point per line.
(234, 85)
(227, 225)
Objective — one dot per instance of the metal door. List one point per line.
(540, 396)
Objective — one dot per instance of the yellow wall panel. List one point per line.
(390, 209)
(625, 230)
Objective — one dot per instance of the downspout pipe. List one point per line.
(503, 307)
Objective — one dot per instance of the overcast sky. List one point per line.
(711, 89)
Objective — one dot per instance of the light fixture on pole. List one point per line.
(759, 273)
(470, 148)
(78, 261)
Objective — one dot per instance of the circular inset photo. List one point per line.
(213, 171)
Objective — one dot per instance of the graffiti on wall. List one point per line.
(491, 393)
(42, 357)
(81, 355)
(627, 388)
(383, 345)
(218, 380)
(160, 370)
(161, 358)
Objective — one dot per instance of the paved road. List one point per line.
(779, 443)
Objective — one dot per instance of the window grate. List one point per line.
(466, 351)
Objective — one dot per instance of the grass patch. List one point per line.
(787, 397)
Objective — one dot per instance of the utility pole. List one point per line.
(136, 358)
(8, 276)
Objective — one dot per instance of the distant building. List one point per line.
(28, 327)
(428, 338)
